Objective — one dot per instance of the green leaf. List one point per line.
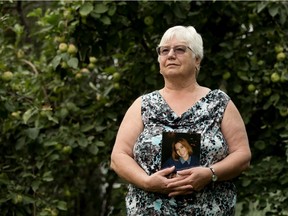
(242, 75)
(73, 62)
(51, 118)
(100, 8)
(261, 6)
(87, 127)
(39, 164)
(62, 205)
(35, 185)
(179, 12)
(4, 200)
(237, 88)
(50, 143)
(47, 176)
(32, 133)
(246, 182)
(112, 10)
(28, 199)
(106, 20)
(93, 86)
(54, 157)
(82, 141)
(86, 9)
(4, 179)
(35, 13)
(18, 29)
(56, 61)
(28, 114)
(93, 149)
(20, 143)
(273, 11)
(53, 19)
(100, 143)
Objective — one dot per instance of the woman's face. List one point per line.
(182, 151)
(174, 64)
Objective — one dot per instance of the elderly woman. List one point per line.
(182, 105)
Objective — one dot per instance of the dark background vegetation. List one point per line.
(69, 71)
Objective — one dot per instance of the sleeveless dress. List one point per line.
(204, 117)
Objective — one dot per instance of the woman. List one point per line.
(182, 156)
(182, 105)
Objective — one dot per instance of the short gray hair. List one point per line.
(187, 34)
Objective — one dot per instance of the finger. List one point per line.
(179, 181)
(167, 171)
(177, 193)
(182, 188)
(184, 172)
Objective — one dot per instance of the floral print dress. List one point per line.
(204, 117)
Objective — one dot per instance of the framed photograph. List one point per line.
(181, 150)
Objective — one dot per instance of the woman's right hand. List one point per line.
(158, 181)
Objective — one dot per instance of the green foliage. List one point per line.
(69, 70)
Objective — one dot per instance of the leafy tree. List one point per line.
(69, 71)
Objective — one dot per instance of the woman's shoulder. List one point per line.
(149, 94)
(219, 93)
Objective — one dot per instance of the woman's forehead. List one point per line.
(173, 40)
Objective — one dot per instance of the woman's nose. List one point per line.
(171, 52)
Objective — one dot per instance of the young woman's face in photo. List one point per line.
(181, 151)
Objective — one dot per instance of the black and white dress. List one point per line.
(204, 117)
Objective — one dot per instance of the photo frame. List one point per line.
(173, 142)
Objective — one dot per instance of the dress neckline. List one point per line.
(190, 108)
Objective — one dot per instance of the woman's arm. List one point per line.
(234, 132)
(122, 161)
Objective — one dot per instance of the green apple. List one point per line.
(116, 76)
(148, 20)
(17, 199)
(64, 65)
(226, 75)
(267, 92)
(63, 47)
(281, 56)
(92, 59)
(116, 86)
(251, 87)
(91, 65)
(78, 75)
(67, 14)
(260, 62)
(20, 53)
(59, 146)
(72, 49)
(59, 39)
(67, 193)
(283, 112)
(67, 149)
(84, 71)
(278, 48)
(7, 76)
(284, 77)
(16, 114)
(275, 77)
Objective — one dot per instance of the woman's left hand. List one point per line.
(190, 180)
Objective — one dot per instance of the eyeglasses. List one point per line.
(178, 50)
